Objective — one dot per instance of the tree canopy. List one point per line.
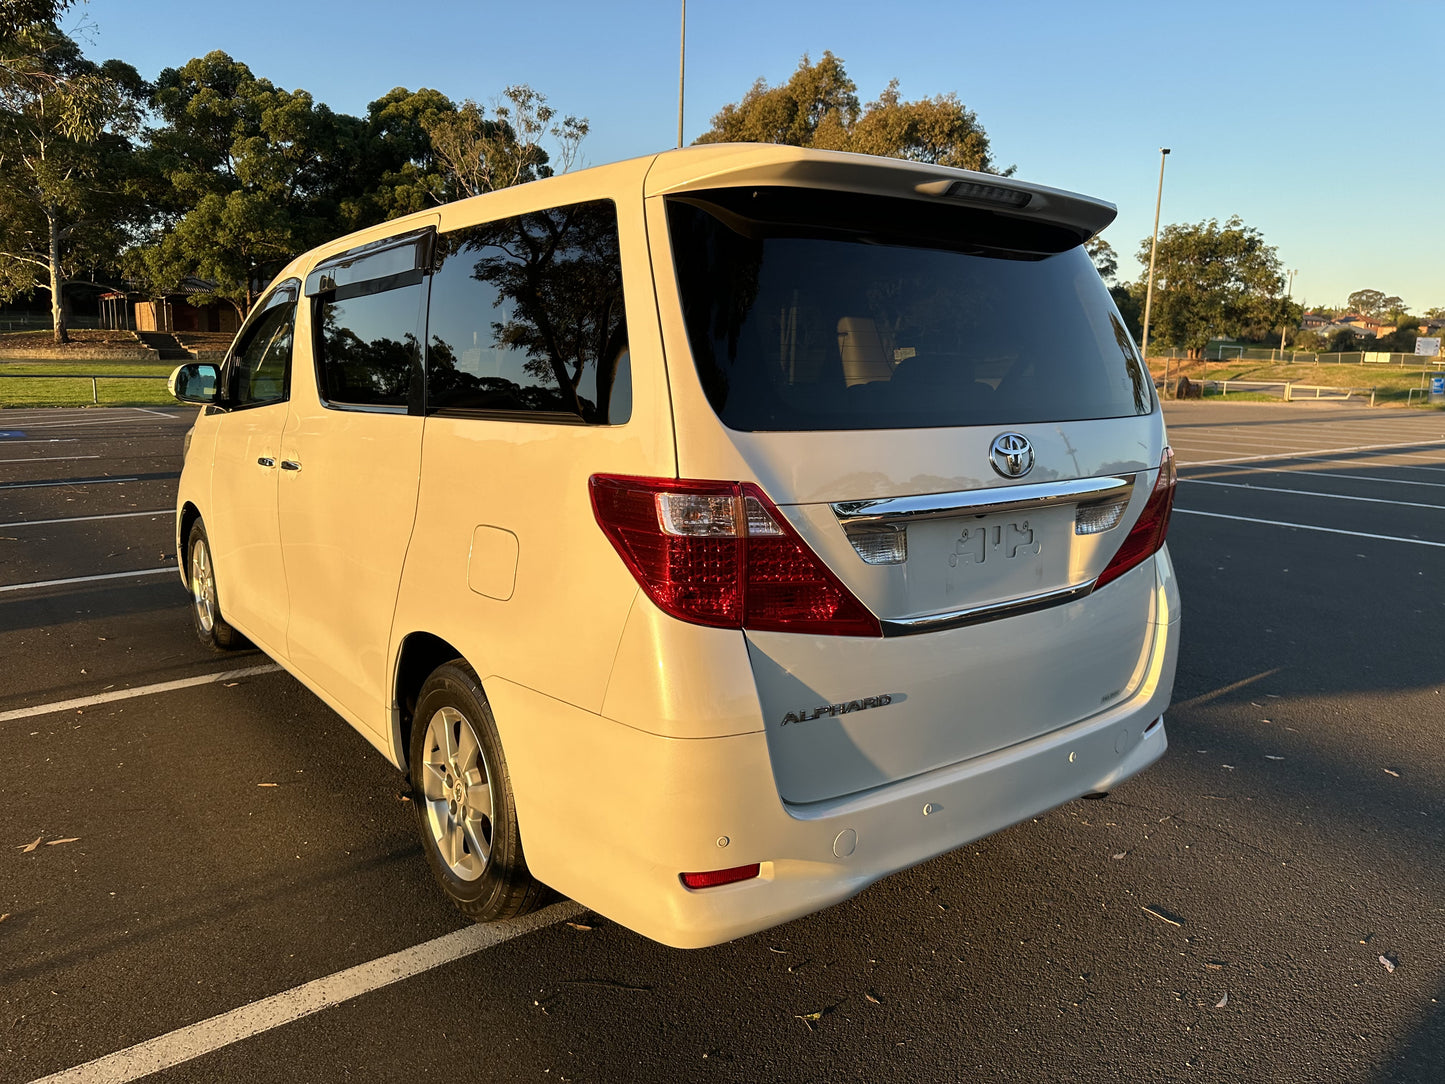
(1375, 303)
(1214, 281)
(818, 107)
(68, 191)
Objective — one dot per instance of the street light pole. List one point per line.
(681, 72)
(1288, 291)
(1153, 249)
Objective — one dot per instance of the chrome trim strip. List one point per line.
(910, 626)
(980, 502)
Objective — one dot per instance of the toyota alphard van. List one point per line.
(707, 535)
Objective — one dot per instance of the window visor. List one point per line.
(408, 254)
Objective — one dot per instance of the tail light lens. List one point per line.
(1147, 535)
(714, 878)
(720, 554)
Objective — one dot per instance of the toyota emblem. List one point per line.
(1012, 455)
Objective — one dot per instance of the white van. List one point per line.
(708, 535)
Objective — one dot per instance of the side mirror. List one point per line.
(196, 382)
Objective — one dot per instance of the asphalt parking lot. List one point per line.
(219, 879)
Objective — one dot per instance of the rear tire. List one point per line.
(463, 796)
(211, 627)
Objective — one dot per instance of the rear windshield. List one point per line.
(810, 310)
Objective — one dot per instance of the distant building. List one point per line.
(1366, 325)
(178, 311)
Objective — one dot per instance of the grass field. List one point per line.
(41, 383)
(1392, 383)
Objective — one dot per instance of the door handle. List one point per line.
(266, 461)
(290, 464)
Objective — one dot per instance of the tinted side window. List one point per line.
(368, 343)
(527, 316)
(259, 368)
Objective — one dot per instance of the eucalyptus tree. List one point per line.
(69, 180)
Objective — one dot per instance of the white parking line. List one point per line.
(177, 1047)
(87, 579)
(87, 519)
(1350, 477)
(1311, 527)
(58, 485)
(130, 694)
(49, 459)
(1306, 452)
(1311, 493)
(157, 413)
(40, 440)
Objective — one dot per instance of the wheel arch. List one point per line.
(189, 513)
(419, 655)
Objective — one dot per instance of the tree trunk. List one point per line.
(57, 307)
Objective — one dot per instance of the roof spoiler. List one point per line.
(736, 165)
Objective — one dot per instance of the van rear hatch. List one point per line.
(944, 404)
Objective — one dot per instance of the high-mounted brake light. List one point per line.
(1147, 536)
(721, 554)
(716, 877)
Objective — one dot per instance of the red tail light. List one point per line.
(720, 553)
(716, 877)
(1147, 536)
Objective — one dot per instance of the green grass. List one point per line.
(43, 388)
(1392, 383)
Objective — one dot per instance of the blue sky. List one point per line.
(1318, 124)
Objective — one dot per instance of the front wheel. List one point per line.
(463, 797)
(211, 627)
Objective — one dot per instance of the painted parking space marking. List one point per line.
(80, 702)
(1309, 493)
(1312, 527)
(48, 459)
(87, 519)
(88, 579)
(57, 485)
(1353, 477)
(1306, 452)
(208, 1036)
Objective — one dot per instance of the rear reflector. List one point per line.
(721, 554)
(716, 877)
(1147, 536)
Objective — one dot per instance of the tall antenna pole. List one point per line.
(1149, 290)
(681, 72)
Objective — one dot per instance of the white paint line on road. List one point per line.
(1311, 527)
(1311, 493)
(88, 519)
(87, 579)
(41, 440)
(130, 694)
(1307, 452)
(157, 413)
(49, 459)
(58, 485)
(1356, 477)
(208, 1036)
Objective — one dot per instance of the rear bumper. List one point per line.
(611, 815)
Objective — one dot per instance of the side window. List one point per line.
(259, 368)
(368, 344)
(526, 317)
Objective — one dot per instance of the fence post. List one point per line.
(94, 391)
(1286, 391)
(1372, 397)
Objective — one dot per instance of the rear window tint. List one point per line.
(857, 312)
